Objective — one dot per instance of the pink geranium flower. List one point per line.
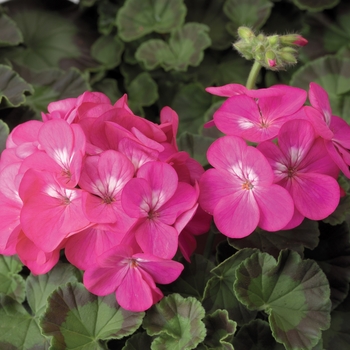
(131, 276)
(334, 130)
(50, 212)
(259, 118)
(156, 199)
(103, 177)
(239, 191)
(302, 166)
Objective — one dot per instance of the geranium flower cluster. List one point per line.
(288, 171)
(110, 188)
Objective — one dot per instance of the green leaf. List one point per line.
(293, 292)
(18, 329)
(193, 278)
(333, 256)
(138, 341)
(11, 283)
(4, 132)
(220, 330)
(108, 49)
(332, 73)
(107, 13)
(338, 334)
(53, 85)
(303, 236)
(139, 17)
(251, 13)
(109, 87)
(196, 146)
(76, 318)
(13, 89)
(176, 323)
(191, 102)
(142, 91)
(185, 48)
(10, 35)
(315, 5)
(219, 292)
(211, 14)
(40, 287)
(48, 38)
(256, 335)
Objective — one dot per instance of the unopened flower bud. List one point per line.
(293, 39)
(273, 40)
(245, 33)
(270, 59)
(288, 57)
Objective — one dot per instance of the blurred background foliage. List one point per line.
(160, 52)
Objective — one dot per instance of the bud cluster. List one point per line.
(274, 52)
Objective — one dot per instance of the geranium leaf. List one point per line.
(220, 330)
(210, 13)
(331, 73)
(138, 341)
(252, 13)
(53, 47)
(338, 334)
(315, 5)
(109, 87)
(256, 335)
(18, 329)
(13, 88)
(4, 132)
(176, 322)
(293, 292)
(305, 235)
(333, 256)
(76, 318)
(108, 49)
(340, 214)
(137, 18)
(219, 292)
(195, 145)
(142, 91)
(11, 283)
(191, 102)
(185, 48)
(53, 85)
(40, 287)
(10, 34)
(193, 278)
(107, 13)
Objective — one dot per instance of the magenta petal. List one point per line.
(276, 207)
(318, 122)
(295, 221)
(161, 270)
(315, 195)
(341, 130)
(137, 292)
(156, 238)
(320, 100)
(238, 215)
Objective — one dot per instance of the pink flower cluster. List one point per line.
(292, 172)
(110, 188)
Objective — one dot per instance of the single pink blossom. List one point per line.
(334, 130)
(302, 166)
(239, 190)
(131, 276)
(156, 199)
(103, 178)
(257, 120)
(50, 212)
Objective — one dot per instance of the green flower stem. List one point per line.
(254, 72)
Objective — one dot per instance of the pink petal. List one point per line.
(317, 120)
(341, 130)
(316, 196)
(238, 215)
(276, 207)
(156, 238)
(319, 99)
